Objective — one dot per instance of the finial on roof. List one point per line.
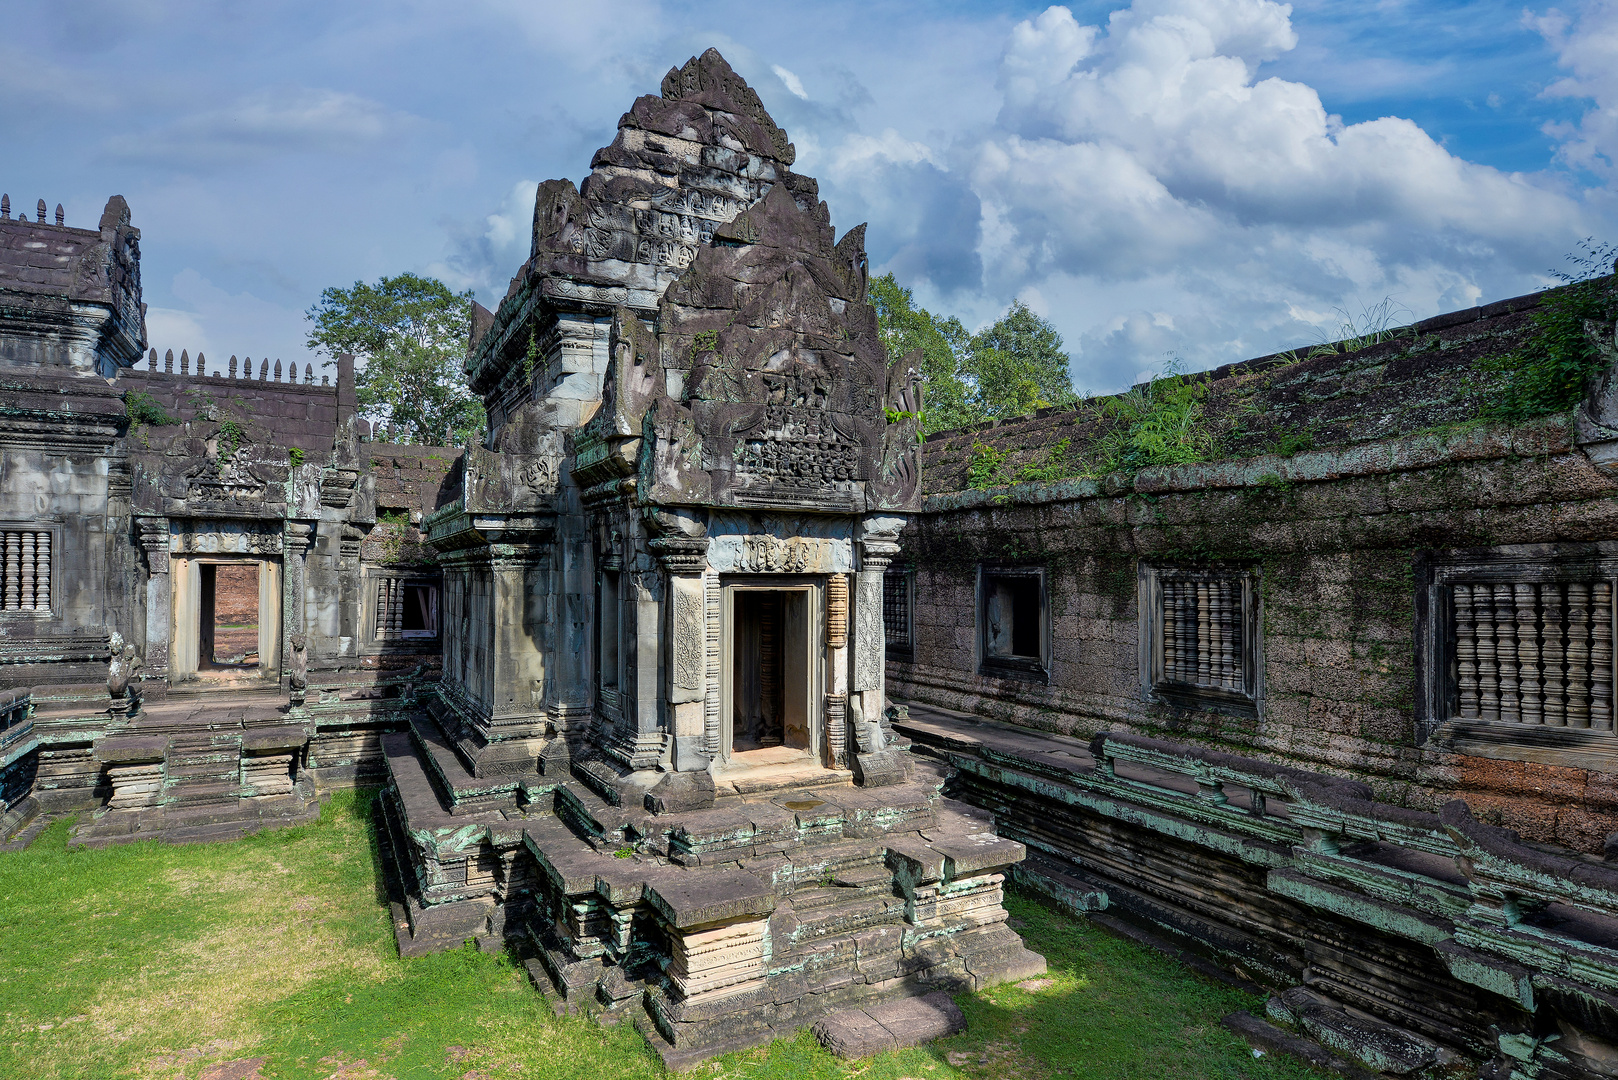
(233, 365)
(264, 368)
(277, 370)
(151, 361)
(59, 215)
(309, 374)
(168, 362)
(5, 207)
(325, 380)
(185, 362)
(42, 211)
(200, 362)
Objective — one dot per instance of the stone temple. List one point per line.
(729, 705)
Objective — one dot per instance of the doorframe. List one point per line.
(814, 591)
(186, 633)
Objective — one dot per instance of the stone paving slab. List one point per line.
(893, 1025)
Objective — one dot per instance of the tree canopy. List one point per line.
(1007, 369)
(408, 335)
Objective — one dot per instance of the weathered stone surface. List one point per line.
(680, 791)
(1385, 929)
(894, 1025)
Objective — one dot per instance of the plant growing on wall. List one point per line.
(143, 410)
(1160, 423)
(1548, 372)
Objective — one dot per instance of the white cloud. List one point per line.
(485, 257)
(1588, 47)
(218, 322)
(1150, 151)
(264, 123)
(790, 81)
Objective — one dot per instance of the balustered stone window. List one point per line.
(1013, 623)
(898, 613)
(25, 570)
(405, 609)
(1520, 653)
(1199, 638)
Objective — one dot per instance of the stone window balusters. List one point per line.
(1202, 633)
(896, 613)
(26, 571)
(1537, 653)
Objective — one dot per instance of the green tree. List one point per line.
(946, 394)
(1017, 365)
(408, 335)
(1008, 369)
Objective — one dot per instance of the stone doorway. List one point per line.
(227, 620)
(772, 675)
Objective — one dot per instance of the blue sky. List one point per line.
(1196, 179)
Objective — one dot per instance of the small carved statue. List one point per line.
(122, 663)
(300, 667)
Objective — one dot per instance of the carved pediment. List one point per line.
(228, 481)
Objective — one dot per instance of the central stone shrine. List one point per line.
(660, 762)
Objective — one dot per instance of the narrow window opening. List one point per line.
(898, 623)
(1012, 621)
(607, 611)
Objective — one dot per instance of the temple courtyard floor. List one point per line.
(273, 957)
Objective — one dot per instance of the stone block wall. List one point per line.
(1338, 542)
(1337, 562)
(301, 415)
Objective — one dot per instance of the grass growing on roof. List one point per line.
(148, 960)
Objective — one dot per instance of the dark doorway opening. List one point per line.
(770, 677)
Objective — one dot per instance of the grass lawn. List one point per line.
(147, 960)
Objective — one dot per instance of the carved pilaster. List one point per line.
(154, 541)
(297, 537)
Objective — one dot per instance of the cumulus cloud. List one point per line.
(298, 119)
(1152, 149)
(1587, 46)
(485, 255)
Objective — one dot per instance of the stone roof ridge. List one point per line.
(268, 370)
(1284, 358)
(710, 80)
(22, 215)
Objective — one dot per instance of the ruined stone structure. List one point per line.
(729, 705)
(660, 756)
(1331, 711)
(127, 494)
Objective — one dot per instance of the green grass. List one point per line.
(147, 960)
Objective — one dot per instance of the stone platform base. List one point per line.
(712, 929)
(181, 824)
